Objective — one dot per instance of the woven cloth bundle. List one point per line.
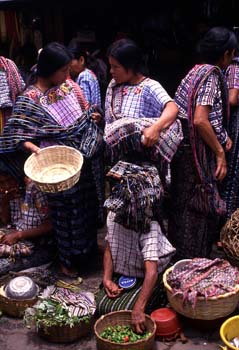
(77, 303)
(123, 136)
(137, 197)
(203, 277)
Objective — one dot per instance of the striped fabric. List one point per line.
(11, 82)
(209, 93)
(31, 122)
(136, 196)
(128, 298)
(123, 137)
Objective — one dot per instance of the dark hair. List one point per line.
(77, 50)
(53, 57)
(128, 54)
(215, 43)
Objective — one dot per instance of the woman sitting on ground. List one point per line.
(23, 241)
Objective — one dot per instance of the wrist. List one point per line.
(139, 307)
(220, 152)
(157, 126)
(19, 235)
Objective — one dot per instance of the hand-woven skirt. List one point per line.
(192, 233)
(128, 298)
(74, 219)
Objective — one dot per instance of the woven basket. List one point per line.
(65, 333)
(15, 308)
(210, 309)
(55, 168)
(122, 318)
(229, 238)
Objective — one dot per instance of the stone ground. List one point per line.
(15, 336)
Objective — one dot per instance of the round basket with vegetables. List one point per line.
(63, 316)
(113, 331)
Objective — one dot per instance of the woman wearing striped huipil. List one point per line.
(200, 165)
(141, 134)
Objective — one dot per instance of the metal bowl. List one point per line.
(21, 288)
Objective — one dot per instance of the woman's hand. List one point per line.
(228, 144)
(11, 238)
(221, 170)
(112, 289)
(150, 135)
(96, 116)
(138, 320)
(29, 146)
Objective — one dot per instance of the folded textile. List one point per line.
(123, 136)
(137, 197)
(203, 277)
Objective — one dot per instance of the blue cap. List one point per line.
(127, 282)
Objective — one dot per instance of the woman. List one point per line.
(51, 112)
(24, 240)
(11, 85)
(200, 164)
(230, 187)
(83, 75)
(132, 97)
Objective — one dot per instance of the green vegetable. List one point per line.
(51, 313)
(122, 334)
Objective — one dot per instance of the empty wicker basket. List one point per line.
(210, 309)
(123, 318)
(55, 168)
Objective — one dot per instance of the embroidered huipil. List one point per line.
(144, 100)
(60, 102)
(209, 94)
(90, 87)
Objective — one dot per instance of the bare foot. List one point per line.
(68, 272)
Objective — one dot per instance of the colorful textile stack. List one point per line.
(203, 277)
(77, 303)
(123, 137)
(136, 198)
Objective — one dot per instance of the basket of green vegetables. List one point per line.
(113, 331)
(58, 322)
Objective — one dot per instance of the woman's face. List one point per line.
(60, 75)
(227, 59)
(118, 72)
(77, 66)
